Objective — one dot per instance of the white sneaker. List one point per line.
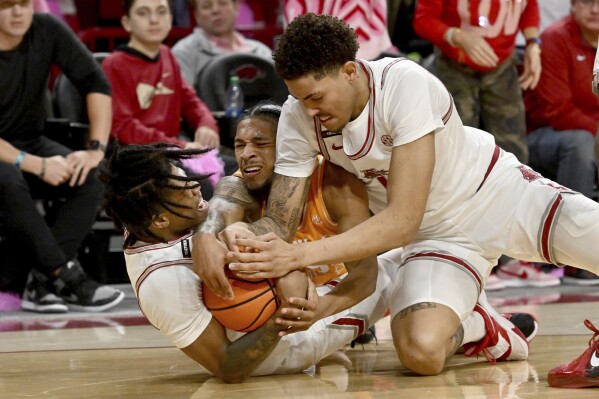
(517, 273)
(494, 283)
(503, 341)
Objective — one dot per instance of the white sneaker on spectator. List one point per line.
(517, 273)
(494, 283)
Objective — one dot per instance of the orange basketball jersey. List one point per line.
(316, 224)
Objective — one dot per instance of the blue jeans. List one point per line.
(565, 156)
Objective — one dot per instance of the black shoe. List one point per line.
(82, 293)
(368, 336)
(576, 276)
(526, 323)
(39, 295)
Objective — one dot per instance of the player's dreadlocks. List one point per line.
(136, 178)
(314, 44)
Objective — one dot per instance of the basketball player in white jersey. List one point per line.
(160, 207)
(444, 192)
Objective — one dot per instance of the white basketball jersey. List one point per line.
(406, 103)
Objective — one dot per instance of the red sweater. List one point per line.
(503, 19)
(564, 97)
(150, 97)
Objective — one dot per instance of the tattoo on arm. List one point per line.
(416, 307)
(246, 354)
(279, 218)
(231, 195)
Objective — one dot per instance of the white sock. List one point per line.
(474, 328)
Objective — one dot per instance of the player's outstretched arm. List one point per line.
(395, 226)
(346, 201)
(235, 361)
(231, 203)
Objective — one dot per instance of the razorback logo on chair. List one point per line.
(249, 72)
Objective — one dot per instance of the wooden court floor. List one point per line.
(120, 356)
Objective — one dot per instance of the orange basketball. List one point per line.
(254, 302)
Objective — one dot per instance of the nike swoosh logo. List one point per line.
(594, 360)
(337, 147)
(581, 57)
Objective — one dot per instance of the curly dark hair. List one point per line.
(314, 44)
(136, 179)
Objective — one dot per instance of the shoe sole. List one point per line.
(579, 281)
(54, 308)
(517, 340)
(522, 284)
(573, 381)
(97, 309)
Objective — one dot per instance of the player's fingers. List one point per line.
(228, 238)
(253, 275)
(252, 243)
(302, 303)
(246, 258)
(220, 288)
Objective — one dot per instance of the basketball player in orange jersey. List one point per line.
(160, 206)
(336, 202)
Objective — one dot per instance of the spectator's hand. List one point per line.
(299, 313)
(532, 67)
(192, 145)
(477, 49)
(207, 137)
(82, 162)
(57, 170)
(266, 256)
(208, 256)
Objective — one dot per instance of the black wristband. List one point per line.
(534, 40)
(95, 145)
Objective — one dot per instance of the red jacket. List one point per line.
(564, 97)
(150, 97)
(503, 19)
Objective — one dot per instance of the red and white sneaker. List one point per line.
(504, 340)
(582, 372)
(517, 273)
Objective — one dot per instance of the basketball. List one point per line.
(254, 302)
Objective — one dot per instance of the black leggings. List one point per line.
(31, 240)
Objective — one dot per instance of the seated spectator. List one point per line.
(215, 34)
(33, 166)
(150, 95)
(367, 17)
(562, 112)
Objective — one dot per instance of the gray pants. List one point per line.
(565, 156)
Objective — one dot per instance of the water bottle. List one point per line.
(234, 98)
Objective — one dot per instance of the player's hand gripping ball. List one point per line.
(254, 302)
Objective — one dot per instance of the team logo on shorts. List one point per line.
(372, 173)
(387, 140)
(529, 174)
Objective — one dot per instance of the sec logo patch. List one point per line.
(387, 140)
